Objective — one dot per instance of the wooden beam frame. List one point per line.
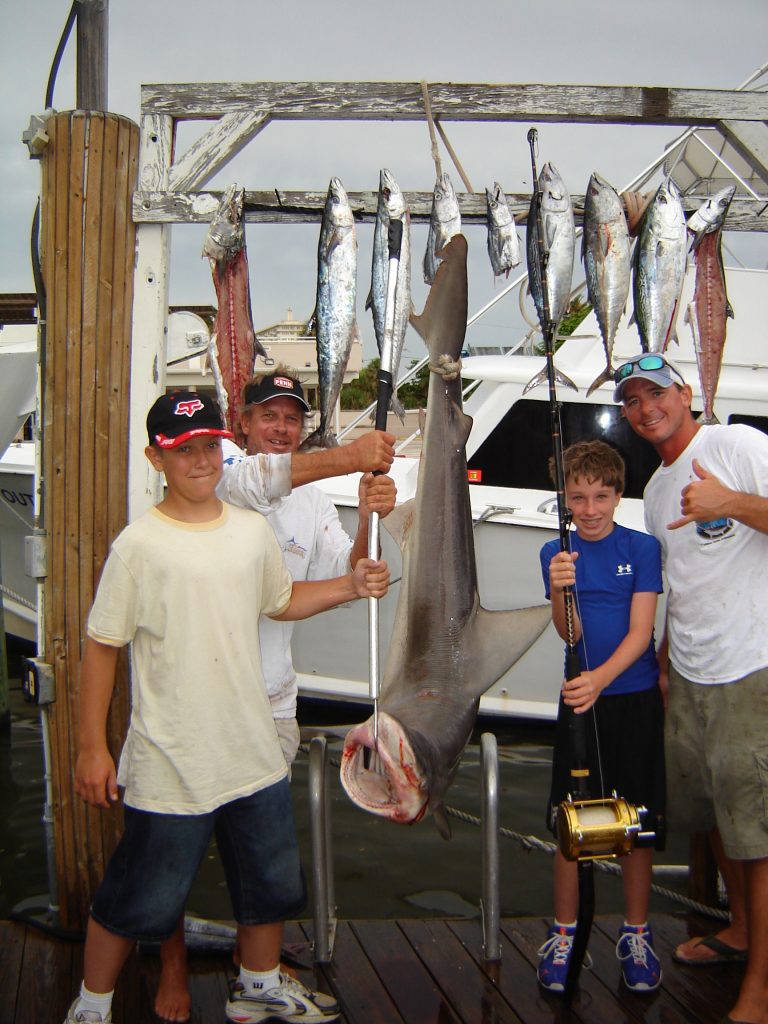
(295, 207)
(403, 101)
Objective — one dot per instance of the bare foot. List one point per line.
(173, 1001)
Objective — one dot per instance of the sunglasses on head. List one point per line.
(650, 362)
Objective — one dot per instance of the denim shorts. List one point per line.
(150, 874)
(717, 760)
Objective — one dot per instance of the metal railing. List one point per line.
(323, 889)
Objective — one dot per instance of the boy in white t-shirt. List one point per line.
(182, 584)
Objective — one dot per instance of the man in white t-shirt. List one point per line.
(707, 504)
(273, 477)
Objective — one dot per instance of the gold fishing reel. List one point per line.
(595, 829)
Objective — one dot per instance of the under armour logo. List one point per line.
(188, 407)
(624, 570)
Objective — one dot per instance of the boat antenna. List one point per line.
(576, 724)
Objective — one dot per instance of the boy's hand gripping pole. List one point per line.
(383, 397)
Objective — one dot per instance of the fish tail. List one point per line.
(319, 438)
(603, 378)
(397, 407)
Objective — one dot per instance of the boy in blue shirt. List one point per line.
(615, 574)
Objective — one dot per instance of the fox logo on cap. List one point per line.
(188, 407)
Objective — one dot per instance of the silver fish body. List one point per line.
(444, 223)
(391, 206)
(659, 268)
(445, 649)
(708, 313)
(226, 233)
(335, 314)
(503, 243)
(710, 216)
(557, 240)
(607, 264)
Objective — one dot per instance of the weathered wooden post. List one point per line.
(87, 239)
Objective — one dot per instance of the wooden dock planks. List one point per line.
(393, 972)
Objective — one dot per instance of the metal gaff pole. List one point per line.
(577, 730)
(394, 242)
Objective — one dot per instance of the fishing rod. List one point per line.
(587, 829)
(576, 724)
(383, 398)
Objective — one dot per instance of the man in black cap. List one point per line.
(707, 504)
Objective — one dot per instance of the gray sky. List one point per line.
(695, 43)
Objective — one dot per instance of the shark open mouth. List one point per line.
(384, 778)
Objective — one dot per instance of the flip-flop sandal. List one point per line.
(724, 954)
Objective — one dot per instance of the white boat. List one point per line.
(514, 505)
(18, 367)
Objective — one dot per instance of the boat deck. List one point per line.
(393, 972)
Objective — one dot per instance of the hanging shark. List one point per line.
(446, 650)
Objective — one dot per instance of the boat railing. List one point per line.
(323, 889)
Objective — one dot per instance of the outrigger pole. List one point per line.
(384, 395)
(577, 726)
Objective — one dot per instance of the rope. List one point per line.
(452, 152)
(530, 843)
(17, 597)
(433, 123)
(431, 126)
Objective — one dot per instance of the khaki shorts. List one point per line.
(716, 745)
(288, 734)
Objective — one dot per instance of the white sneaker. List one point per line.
(86, 1016)
(289, 1001)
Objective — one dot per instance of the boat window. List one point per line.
(758, 422)
(517, 453)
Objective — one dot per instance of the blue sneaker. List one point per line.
(555, 956)
(640, 967)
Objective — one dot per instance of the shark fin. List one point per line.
(399, 521)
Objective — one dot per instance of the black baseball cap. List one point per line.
(273, 386)
(177, 417)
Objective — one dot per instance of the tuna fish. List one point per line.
(445, 649)
(391, 206)
(659, 268)
(710, 309)
(555, 243)
(335, 317)
(444, 223)
(503, 243)
(605, 251)
(234, 346)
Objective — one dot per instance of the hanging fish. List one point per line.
(659, 268)
(503, 243)
(605, 251)
(708, 313)
(554, 244)
(234, 345)
(335, 317)
(391, 206)
(444, 223)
